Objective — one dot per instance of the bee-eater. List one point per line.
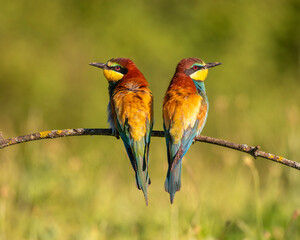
(130, 113)
(185, 109)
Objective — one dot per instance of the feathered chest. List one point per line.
(131, 106)
(185, 107)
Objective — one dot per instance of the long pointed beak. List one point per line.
(99, 65)
(209, 65)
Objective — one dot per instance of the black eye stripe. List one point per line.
(199, 67)
(191, 70)
(118, 69)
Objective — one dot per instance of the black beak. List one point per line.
(209, 65)
(99, 65)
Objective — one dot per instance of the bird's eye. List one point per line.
(117, 68)
(195, 67)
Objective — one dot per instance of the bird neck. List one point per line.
(111, 87)
(200, 86)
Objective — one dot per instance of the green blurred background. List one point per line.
(84, 187)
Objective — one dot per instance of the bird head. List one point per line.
(195, 68)
(117, 68)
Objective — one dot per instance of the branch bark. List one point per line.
(253, 151)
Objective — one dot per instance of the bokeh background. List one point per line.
(84, 187)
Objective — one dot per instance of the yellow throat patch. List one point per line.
(200, 75)
(112, 75)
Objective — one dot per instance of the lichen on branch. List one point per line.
(253, 151)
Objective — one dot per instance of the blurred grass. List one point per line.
(83, 188)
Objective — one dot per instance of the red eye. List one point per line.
(117, 68)
(195, 67)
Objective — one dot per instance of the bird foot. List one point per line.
(115, 133)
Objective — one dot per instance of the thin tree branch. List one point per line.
(253, 151)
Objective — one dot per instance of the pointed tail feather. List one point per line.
(141, 175)
(143, 187)
(173, 181)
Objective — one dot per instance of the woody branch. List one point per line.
(253, 151)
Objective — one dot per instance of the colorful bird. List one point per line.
(185, 111)
(130, 113)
